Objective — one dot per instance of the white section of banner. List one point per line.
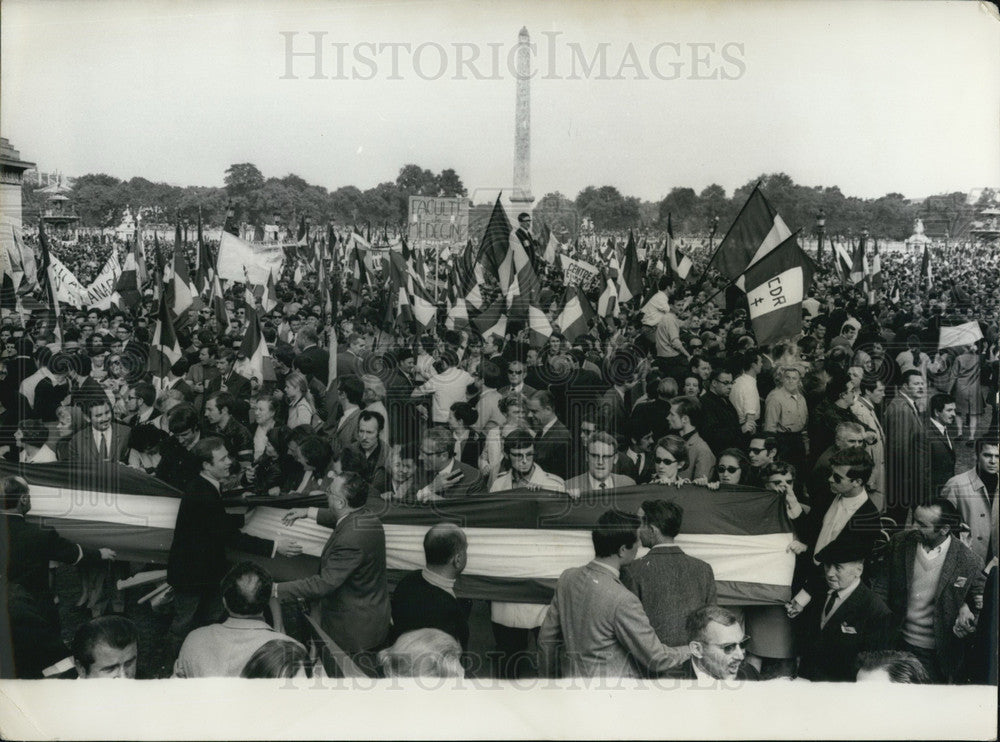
(76, 504)
(540, 553)
(493, 552)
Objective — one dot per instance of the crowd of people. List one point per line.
(858, 424)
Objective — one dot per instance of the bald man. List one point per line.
(426, 598)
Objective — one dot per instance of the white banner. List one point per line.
(239, 259)
(964, 334)
(577, 272)
(65, 285)
(98, 294)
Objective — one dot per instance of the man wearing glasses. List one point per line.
(524, 236)
(516, 370)
(443, 477)
(600, 477)
(519, 446)
(718, 647)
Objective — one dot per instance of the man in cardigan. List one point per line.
(669, 583)
(426, 598)
(933, 584)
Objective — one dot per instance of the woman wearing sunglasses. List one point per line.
(732, 467)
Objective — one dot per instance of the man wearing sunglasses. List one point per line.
(851, 519)
(718, 648)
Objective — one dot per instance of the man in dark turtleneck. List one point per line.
(974, 493)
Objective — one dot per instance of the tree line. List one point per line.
(100, 201)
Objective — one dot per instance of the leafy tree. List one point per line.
(558, 212)
(449, 184)
(608, 208)
(99, 200)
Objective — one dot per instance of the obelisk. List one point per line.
(522, 124)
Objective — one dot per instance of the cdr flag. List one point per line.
(776, 287)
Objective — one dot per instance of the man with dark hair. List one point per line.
(552, 441)
(103, 440)
(197, 561)
(222, 650)
(140, 402)
(832, 411)
(368, 440)
(718, 647)
(106, 647)
(762, 452)
(527, 240)
(685, 414)
(933, 584)
(851, 519)
(519, 448)
(637, 462)
(219, 408)
(594, 626)
(890, 666)
(177, 462)
(720, 422)
(351, 585)
(939, 456)
(310, 359)
(32, 437)
(904, 436)
(343, 430)
(426, 598)
(669, 583)
(850, 620)
(974, 493)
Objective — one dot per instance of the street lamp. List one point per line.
(711, 235)
(820, 229)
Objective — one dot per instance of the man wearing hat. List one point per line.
(848, 620)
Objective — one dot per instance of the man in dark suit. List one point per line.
(904, 435)
(851, 518)
(443, 477)
(939, 459)
(933, 584)
(718, 648)
(310, 359)
(103, 439)
(527, 240)
(426, 598)
(637, 461)
(850, 620)
(516, 370)
(552, 444)
(197, 561)
(670, 584)
(720, 423)
(27, 549)
(351, 586)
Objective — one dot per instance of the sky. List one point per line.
(873, 97)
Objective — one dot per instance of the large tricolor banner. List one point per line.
(519, 542)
